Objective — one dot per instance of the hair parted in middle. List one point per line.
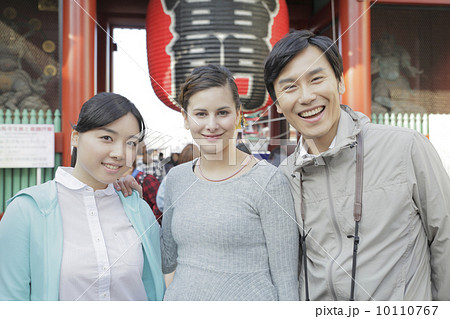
(292, 44)
(206, 77)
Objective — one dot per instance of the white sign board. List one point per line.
(439, 125)
(27, 145)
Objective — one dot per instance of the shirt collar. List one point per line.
(64, 177)
(304, 151)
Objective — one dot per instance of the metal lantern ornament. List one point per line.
(185, 34)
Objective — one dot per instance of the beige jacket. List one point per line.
(404, 250)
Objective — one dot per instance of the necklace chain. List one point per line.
(248, 160)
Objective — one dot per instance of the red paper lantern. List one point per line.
(182, 35)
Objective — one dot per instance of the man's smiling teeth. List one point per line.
(111, 166)
(312, 112)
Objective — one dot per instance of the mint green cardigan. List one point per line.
(31, 245)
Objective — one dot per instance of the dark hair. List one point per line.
(188, 153)
(206, 77)
(292, 44)
(174, 162)
(103, 109)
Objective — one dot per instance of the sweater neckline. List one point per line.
(254, 167)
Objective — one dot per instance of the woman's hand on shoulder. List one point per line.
(126, 184)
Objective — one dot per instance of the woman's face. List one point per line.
(105, 153)
(212, 117)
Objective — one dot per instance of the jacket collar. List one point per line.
(350, 124)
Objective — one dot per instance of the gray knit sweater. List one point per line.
(230, 240)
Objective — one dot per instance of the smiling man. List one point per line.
(372, 201)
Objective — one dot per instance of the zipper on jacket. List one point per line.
(336, 228)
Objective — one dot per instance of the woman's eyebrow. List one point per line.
(114, 132)
(107, 130)
(205, 110)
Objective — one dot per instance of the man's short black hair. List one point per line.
(292, 44)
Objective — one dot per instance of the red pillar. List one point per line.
(78, 64)
(354, 23)
(278, 129)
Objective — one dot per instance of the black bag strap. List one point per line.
(357, 208)
(359, 177)
(303, 239)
